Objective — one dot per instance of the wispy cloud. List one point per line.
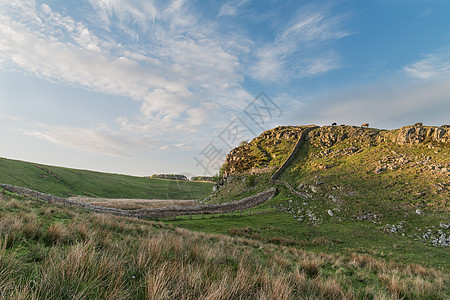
(432, 65)
(95, 140)
(10, 117)
(231, 8)
(126, 13)
(182, 68)
(300, 42)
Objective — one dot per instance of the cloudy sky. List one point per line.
(146, 86)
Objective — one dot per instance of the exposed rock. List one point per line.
(436, 238)
(333, 198)
(352, 193)
(419, 212)
(392, 167)
(379, 169)
(417, 134)
(444, 226)
(330, 212)
(396, 228)
(367, 217)
(257, 155)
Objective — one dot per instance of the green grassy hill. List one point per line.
(379, 192)
(408, 166)
(66, 182)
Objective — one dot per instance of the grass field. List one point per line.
(348, 232)
(55, 252)
(131, 204)
(331, 236)
(65, 182)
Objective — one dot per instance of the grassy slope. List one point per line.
(69, 182)
(350, 180)
(332, 237)
(54, 252)
(356, 172)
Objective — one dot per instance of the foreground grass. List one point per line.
(340, 238)
(65, 182)
(52, 252)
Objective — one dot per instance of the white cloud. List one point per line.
(315, 24)
(433, 65)
(231, 8)
(97, 140)
(182, 68)
(296, 52)
(53, 59)
(127, 12)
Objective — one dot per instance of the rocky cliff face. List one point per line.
(268, 151)
(415, 135)
(263, 153)
(327, 136)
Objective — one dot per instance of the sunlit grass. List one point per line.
(80, 255)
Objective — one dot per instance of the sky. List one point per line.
(144, 86)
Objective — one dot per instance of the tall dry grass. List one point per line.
(92, 256)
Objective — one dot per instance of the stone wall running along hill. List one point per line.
(151, 213)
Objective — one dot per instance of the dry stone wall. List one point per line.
(151, 213)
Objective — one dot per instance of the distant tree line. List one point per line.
(170, 176)
(202, 178)
(182, 177)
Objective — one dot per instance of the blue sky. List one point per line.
(142, 87)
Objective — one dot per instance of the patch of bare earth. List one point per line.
(133, 203)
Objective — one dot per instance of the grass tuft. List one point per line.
(56, 234)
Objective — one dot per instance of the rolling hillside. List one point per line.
(359, 214)
(383, 192)
(65, 182)
(409, 165)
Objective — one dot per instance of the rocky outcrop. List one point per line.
(262, 150)
(327, 136)
(415, 135)
(401, 161)
(271, 145)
